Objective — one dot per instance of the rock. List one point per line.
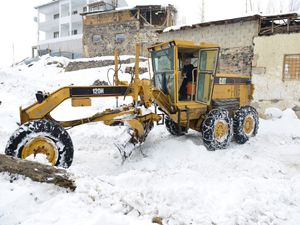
(157, 220)
(100, 83)
(130, 70)
(296, 108)
(58, 64)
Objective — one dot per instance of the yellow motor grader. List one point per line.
(216, 105)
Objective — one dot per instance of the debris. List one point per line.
(36, 171)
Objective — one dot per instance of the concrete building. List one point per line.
(266, 47)
(60, 25)
(121, 28)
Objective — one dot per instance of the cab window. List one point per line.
(163, 70)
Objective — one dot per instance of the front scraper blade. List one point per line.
(127, 145)
(134, 137)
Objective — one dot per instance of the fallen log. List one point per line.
(36, 171)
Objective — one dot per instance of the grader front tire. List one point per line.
(42, 137)
(217, 129)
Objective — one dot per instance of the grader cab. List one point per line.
(190, 96)
(217, 105)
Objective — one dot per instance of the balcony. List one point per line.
(60, 39)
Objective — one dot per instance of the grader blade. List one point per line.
(135, 136)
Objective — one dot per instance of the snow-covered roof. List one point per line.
(129, 7)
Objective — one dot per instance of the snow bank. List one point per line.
(275, 113)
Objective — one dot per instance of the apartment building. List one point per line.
(60, 25)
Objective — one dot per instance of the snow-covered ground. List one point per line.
(178, 180)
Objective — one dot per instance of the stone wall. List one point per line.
(270, 87)
(81, 65)
(108, 32)
(132, 34)
(235, 40)
(236, 60)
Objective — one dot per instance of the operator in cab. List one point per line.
(186, 86)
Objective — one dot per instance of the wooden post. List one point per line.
(272, 30)
(150, 14)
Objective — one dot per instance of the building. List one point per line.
(266, 47)
(121, 28)
(60, 25)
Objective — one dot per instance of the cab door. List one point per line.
(208, 59)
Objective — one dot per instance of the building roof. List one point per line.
(46, 4)
(232, 20)
(153, 7)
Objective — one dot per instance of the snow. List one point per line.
(273, 113)
(178, 180)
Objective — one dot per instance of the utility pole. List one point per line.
(250, 6)
(13, 54)
(202, 11)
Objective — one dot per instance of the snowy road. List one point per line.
(179, 180)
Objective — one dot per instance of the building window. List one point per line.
(120, 38)
(56, 16)
(291, 67)
(74, 32)
(84, 9)
(96, 39)
(74, 12)
(56, 34)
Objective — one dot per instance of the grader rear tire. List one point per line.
(217, 129)
(245, 124)
(172, 127)
(42, 137)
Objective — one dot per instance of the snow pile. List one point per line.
(179, 180)
(273, 113)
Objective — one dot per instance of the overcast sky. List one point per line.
(19, 29)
